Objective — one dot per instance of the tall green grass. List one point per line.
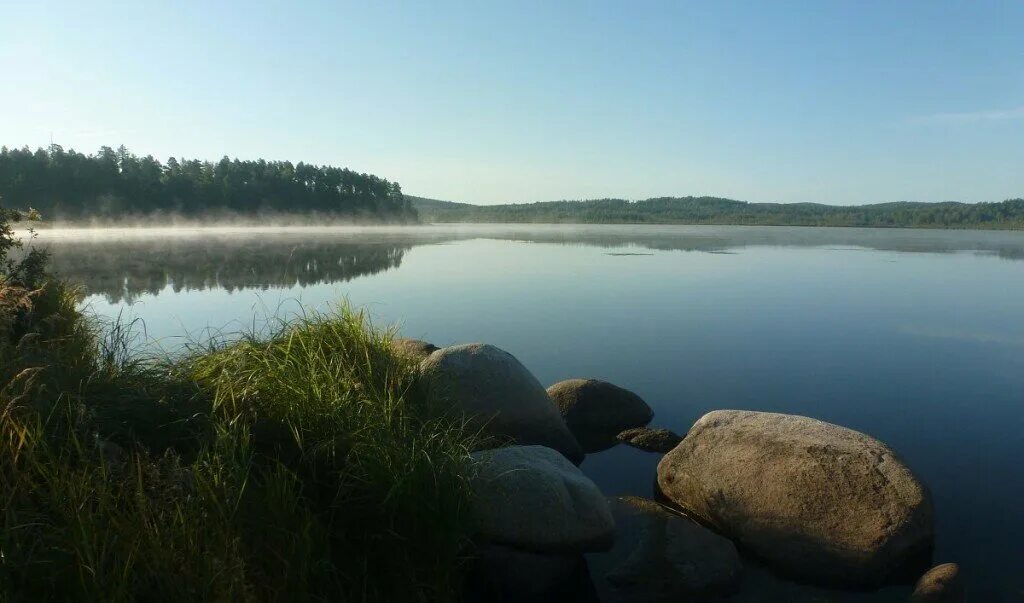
(297, 466)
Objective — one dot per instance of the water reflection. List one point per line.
(122, 270)
(122, 265)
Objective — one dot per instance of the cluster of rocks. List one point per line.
(812, 500)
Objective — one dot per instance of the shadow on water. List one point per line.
(123, 266)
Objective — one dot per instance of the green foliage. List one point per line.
(329, 398)
(712, 210)
(28, 270)
(117, 184)
(299, 466)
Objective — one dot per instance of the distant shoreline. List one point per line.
(319, 226)
(716, 211)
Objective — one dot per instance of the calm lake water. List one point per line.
(914, 337)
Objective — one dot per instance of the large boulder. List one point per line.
(532, 498)
(597, 411)
(941, 584)
(497, 392)
(650, 439)
(815, 500)
(668, 557)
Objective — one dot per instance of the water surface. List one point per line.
(914, 337)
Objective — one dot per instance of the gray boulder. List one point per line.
(815, 500)
(414, 349)
(597, 411)
(496, 391)
(532, 498)
(650, 439)
(941, 584)
(670, 557)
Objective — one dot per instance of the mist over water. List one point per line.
(912, 336)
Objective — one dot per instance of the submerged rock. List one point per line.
(670, 557)
(497, 392)
(815, 500)
(650, 439)
(597, 411)
(532, 498)
(941, 584)
(416, 349)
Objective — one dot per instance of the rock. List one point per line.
(596, 411)
(815, 500)
(650, 439)
(532, 498)
(671, 557)
(415, 349)
(941, 584)
(504, 399)
(503, 574)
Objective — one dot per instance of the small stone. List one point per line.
(650, 439)
(941, 584)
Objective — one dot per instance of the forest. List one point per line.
(117, 184)
(1007, 214)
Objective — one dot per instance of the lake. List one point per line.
(914, 337)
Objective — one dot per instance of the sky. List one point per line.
(491, 102)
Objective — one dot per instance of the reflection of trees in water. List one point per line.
(121, 269)
(1004, 244)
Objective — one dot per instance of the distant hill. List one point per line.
(714, 210)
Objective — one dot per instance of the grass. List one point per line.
(297, 466)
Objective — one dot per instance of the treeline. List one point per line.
(713, 210)
(116, 184)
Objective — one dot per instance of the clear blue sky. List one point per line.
(835, 102)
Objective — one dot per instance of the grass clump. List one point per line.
(330, 405)
(297, 466)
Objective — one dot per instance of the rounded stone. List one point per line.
(499, 395)
(815, 500)
(415, 349)
(532, 498)
(597, 411)
(941, 584)
(650, 439)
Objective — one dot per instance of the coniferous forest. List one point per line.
(1007, 214)
(117, 184)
